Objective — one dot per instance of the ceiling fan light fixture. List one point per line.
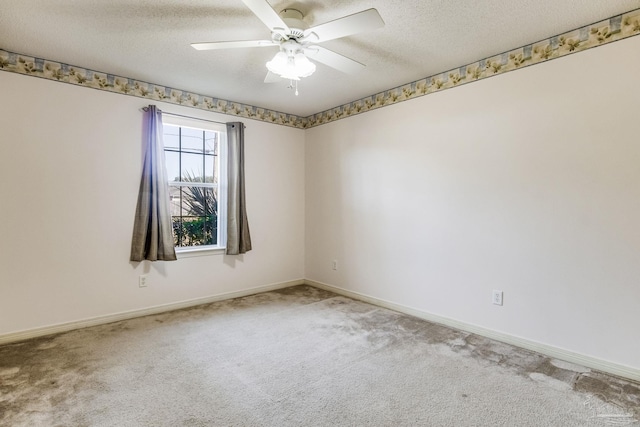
(297, 39)
(291, 67)
(279, 62)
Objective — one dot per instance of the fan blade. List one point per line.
(334, 60)
(267, 15)
(353, 24)
(232, 45)
(272, 78)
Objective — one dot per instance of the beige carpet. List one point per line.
(297, 357)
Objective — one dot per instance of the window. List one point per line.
(193, 152)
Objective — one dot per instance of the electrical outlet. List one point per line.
(334, 264)
(143, 280)
(497, 297)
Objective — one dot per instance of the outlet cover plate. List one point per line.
(142, 280)
(497, 297)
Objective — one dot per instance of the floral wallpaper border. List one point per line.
(594, 35)
(57, 71)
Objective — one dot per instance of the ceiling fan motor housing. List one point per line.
(291, 47)
(293, 19)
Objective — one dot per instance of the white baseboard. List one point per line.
(110, 318)
(548, 350)
(551, 351)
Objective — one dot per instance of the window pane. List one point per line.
(192, 140)
(199, 201)
(177, 231)
(171, 137)
(199, 216)
(211, 142)
(211, 152)
(173, 165)
(211, 228)
(215, 197)
(175, 201)
(210, 168)
(197, 231)
(192, 167)
(194, 216)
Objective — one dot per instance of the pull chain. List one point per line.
(293, 84)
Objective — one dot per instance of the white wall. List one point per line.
(70, 163)
(528, 182)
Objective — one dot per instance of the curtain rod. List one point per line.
(189, 117)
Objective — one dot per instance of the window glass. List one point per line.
(193, 158)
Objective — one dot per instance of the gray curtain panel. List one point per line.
(152, 233)
(238, 238)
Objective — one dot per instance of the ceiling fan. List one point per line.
(297, 41)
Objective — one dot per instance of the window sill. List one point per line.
(199, 251)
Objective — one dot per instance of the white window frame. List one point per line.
(220, 247)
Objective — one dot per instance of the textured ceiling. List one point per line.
(149, 40)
